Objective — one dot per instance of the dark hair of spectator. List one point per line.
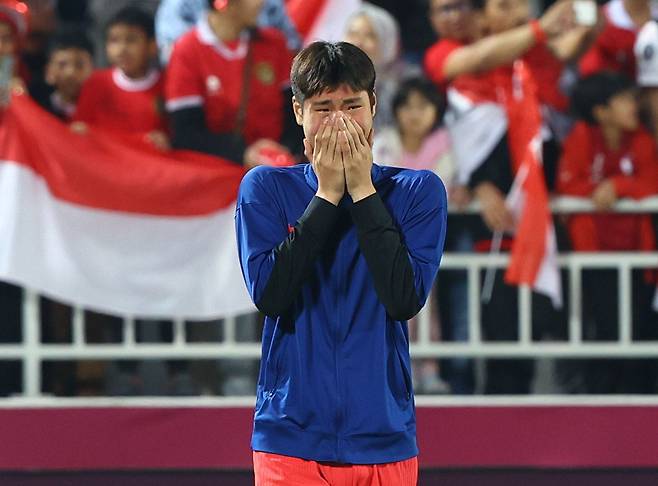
(425, 88)
(71, 39)
(134, 17)
(597, 90)
(326, 66)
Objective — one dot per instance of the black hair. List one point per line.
(426, 89)
(597, 90)
(134, 17)
(326, 66)
(71, 39)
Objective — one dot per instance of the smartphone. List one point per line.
(585, 12)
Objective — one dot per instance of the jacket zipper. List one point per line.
(339, 401)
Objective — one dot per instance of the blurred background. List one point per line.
(127, 342)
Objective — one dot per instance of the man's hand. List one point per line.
(495, 213)
(253, 157)
(81, 128)
(356, 151)
(159, 140)
(559, 18)
(327, 162)
(605, 195)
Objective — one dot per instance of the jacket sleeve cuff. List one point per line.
(319, 218)
(370, 213)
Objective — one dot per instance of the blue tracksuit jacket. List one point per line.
(335, 378)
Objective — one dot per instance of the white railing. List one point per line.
(32, 352)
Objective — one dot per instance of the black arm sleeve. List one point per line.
(191, 133)
(387, 258)
(294, 257)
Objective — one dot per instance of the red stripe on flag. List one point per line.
(96, 170)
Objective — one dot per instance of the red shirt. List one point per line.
(547, 70)
(113, 102)
(585, 163)
(205, 72)
(478, 88)
(613, 48)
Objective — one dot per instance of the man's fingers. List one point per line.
(357, 133)
(331, 145)
(348, 139)
(322, 136)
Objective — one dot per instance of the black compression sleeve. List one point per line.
(295, 256)
(191, 133)
(387, 258)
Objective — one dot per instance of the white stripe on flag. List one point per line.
(122, 263)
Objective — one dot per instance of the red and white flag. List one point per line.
(533, 260)
(120, 228)
(321, 19)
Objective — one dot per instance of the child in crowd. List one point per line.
(70, 63)
(417, 141)
(607, 156)
(127, 99)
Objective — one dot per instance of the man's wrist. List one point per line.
(538, 32)
(363, 192)
(332, 197)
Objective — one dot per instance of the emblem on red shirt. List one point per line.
(265, 73)
(213, 84)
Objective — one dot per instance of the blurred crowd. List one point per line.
(212, 76)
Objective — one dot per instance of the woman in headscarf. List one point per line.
(376, 32)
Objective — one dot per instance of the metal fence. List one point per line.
(32, 352)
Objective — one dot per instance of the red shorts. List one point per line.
(277, 470)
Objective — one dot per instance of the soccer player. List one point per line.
(127, 99)
(338, 254)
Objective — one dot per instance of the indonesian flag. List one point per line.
(533, 259)
(116, 227)
(321, 19)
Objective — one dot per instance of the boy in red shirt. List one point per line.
(127, 99)
(607, 156)
(228, 85)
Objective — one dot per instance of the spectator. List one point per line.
(176, 17)
(478, 74)
(646, 56)
(417, 140)
(376, 32)
(70, 63)
(13, 29)
(608, 156)
(613, 48)
(126, 100)
(228, 86)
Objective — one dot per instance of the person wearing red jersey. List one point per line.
(609, 156)
(478, 74)
(227, 83)
(127, 99)
(613, 48)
